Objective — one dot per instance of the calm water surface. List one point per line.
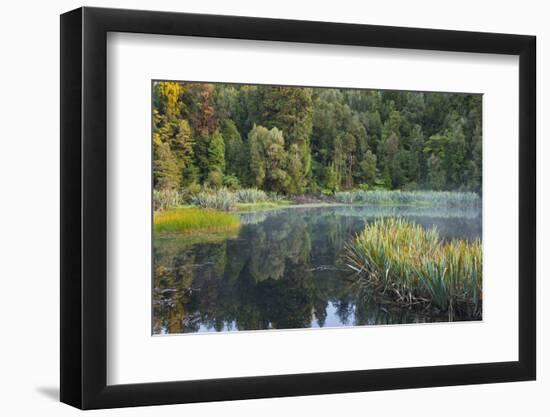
(280, 271)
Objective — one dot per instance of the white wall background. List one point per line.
(29, 225)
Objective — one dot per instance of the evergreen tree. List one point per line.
(166, 172)
(368, 168)
(294, 170)
(235, 150)
(201, 149)
(216, 153)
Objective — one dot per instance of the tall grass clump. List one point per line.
(193, 220)
(426, 198)
(251, 195)
(348, 197)
(164, 199)
(219, 199)
(399, 260)
(276, 197)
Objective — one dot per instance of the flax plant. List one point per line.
(411, 266)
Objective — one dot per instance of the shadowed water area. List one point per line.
(281, 270)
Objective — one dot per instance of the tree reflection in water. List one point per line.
(280, 272)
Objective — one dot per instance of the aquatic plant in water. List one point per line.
(399, 260)
(428, 198)
(194, 220)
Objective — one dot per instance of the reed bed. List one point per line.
(220, 199)
(427, 198)
(228, 200)
(164, 199)
(194, 220)
(251, 195)
(402, 262)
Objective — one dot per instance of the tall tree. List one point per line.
(268, 158)
(203, 117)
(368, 168)
(216, 153)
(235, 150)
(290, 109)
(166, 172)
(172, 137)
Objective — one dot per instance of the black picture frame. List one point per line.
(84, 207)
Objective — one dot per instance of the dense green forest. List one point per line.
(296, 140)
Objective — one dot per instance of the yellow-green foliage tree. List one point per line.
(172, 138)
(268, 158)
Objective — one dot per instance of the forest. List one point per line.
(300, 140)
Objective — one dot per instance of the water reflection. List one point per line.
(280, 272)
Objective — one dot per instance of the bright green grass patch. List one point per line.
(194, 220)
(402, 261)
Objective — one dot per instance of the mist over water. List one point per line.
(281, 271)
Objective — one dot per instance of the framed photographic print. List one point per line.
(255, 208)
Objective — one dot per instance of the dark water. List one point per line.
(280, 272)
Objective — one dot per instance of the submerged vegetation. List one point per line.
(193, 220)
(405, 198)
(402, 262)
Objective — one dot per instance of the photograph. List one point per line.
(295, 207)
(339, 205)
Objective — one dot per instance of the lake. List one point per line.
(281, 270)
